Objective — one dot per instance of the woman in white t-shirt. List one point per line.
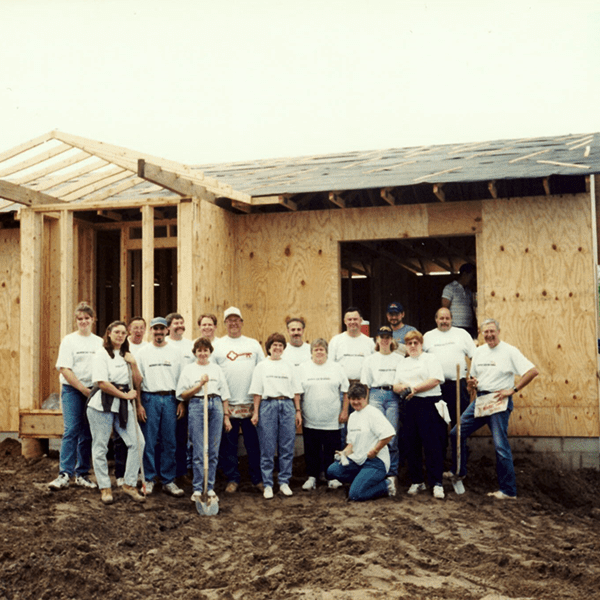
(110, 406)
(276, 415)
(365, 460)
(420, 374)
(378, 374)
(323, 384)
(74, 364)
(190, 387)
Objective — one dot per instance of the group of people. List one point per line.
(364, 405)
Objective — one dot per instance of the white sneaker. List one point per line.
(334, 484)
(120, 481)
(501, 496)
(149, 487)
(438, 492)
(61, 482)
(173, 489)
(391, 484)
(84, 481)
(284, 488)
(196, 497)
(310, 484)
(415, 488)
(268, 493)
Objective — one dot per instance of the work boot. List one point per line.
(133, 493)
(107, 497)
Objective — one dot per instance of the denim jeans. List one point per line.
(101, 425)
(425, 434)
(76, 445)
(498, 424)
(276, 433)
(215, 429)
(161, 419)
(228, 453)
(388, 403)
(367, 480)
(319, 448)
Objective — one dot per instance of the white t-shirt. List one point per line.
(135, 348)
(380, 369)
(185, 349)
(413, 371)
(321, 403)
(238, 357)
(366, 427)
(191, 375)
(76, 352)
(112, 370)
(350, 352)
(274, 378)
(160, 367)
(297, 354)
(495, 368)
(451, 347)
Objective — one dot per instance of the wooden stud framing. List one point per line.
(336, 198)
(66, 272)
(386, 194)
(439, 192)
(148, 263)
(187, 216)
(31, 295)
(23, 195)
(125, 277)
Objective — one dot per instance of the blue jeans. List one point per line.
(101, 425)
(276, 433)
(76, 445)
(425, 434)
(498, 424)
(215, 429)
(367, 480)
(161, 419)
(228, 453)
(387, 402)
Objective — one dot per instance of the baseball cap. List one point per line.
(232, 310)
(395, 307)
(158, 321)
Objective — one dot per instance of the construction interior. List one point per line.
(137, 234)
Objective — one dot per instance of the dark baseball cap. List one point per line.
(395, 307)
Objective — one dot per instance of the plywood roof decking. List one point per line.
(74, 169)
(482, 161)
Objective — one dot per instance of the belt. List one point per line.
(277, 398)
(209, 396)
(163, 393)
(354, 380)
(387, 388)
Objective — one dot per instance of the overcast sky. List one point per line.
(203, 81)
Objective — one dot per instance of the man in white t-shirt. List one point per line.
(349, 349)
(297, 351)
(183, 455)
(452, 346)
(159, 409)
(493, 371)
(238, 355)
(137, 330)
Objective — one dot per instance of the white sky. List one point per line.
(203, 81)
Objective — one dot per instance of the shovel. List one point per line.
(457, 483)
(206, 506)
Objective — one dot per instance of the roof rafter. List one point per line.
(22, 195)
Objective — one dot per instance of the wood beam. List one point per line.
(110, 214)
(124, 274)
(419, 252)
(51, 182)
(492, 189)
(22, 195)
(34, 160)
(53, 168)
(31, 304)
(336, 198)
(246, 208)
(66, 272)
(187, 246)
(148, 263)
(24, 147)
(123, 204)
(439, 192)
(386, 194)
(282, 199)
(546, 183)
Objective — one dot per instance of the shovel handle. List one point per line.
(457, 419)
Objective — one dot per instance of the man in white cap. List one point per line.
(158, 409)
(237, 355)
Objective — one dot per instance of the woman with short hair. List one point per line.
(276, 415)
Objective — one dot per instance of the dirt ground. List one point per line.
(314, 545)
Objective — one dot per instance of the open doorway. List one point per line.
(410, 271)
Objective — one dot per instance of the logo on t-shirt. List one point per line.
(231, 355)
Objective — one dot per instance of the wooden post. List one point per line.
(148, 263)
(125, 277)
(31, 298)
(66, 272)
(187, 282)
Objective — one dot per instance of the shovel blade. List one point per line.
(208, 508)
(458, 486)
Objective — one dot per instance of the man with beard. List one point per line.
(395, 317)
